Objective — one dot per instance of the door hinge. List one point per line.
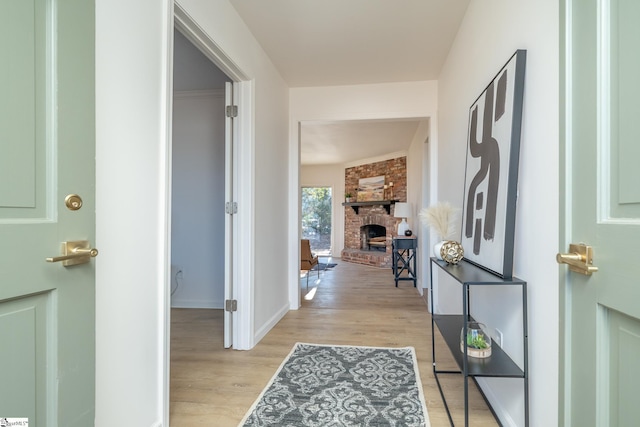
(232, 111)
(231, 305)
(231, 208)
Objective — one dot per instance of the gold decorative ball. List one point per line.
(451, 252)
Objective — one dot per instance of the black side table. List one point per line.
(405, 250)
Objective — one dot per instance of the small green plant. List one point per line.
(347, 195)
(476, 341)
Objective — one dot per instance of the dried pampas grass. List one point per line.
(442, 218)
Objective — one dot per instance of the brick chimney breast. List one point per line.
(394, 171)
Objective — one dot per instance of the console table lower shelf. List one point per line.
(498, 365)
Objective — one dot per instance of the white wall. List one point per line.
(372, 101)
(357, 102)
(329, 176)
(197, 214)
(132, 216)
(417, 180)
(491, 32)
(133, 94)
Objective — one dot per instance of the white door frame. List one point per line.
(243, 274)
(243, 277)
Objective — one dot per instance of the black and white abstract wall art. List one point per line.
(491, 176)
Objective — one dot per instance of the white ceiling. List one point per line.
(344, 42)
(349, 141)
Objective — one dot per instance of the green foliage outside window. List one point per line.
(316, 210)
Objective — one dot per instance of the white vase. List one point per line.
(436, 249)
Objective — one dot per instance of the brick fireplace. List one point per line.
(369, 230)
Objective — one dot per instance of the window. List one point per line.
(316, 218)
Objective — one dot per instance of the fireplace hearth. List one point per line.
(368, 237)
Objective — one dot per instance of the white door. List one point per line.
(601, 342)
(231, 209)
(47, 152)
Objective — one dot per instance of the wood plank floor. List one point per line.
(350, 304)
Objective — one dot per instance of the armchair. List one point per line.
(307, 259)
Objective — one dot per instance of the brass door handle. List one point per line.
(74, 253)
(579, 259)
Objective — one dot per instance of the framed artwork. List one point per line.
(491, 175)
(370, 189)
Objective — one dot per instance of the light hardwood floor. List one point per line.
(350, 304)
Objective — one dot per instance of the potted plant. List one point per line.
(347, 197)
(478, 341)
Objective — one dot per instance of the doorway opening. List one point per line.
(198, 166)
(234, 89)
(328, 145)
(317, 221)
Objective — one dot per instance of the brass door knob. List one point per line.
(75, 253)
(579, 259)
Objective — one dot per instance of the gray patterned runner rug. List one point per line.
(321, 385)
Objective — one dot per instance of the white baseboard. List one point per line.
(260, 333)
(503, 415)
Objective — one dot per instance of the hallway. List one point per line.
(349, 304)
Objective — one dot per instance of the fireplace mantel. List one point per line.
(384, 203)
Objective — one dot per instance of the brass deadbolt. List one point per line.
(73, 202)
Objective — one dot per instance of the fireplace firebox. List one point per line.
(373, 237)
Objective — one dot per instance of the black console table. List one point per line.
(404, 251)
(499, 364)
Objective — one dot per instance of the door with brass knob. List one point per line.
(600, 288)
(47, 196)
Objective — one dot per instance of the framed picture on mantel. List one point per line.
(371, 189)
(491, 176)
